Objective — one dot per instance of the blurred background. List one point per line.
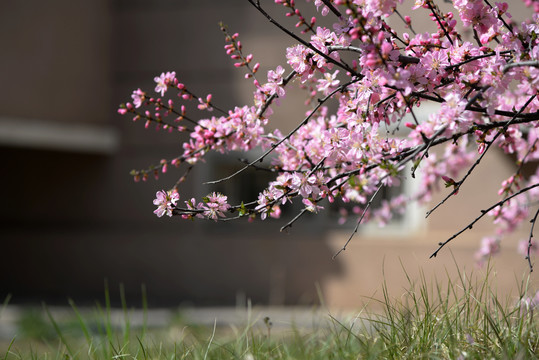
(73, 220)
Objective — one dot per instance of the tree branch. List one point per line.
(359, 221)
(274, 146)
(483, 213)
(530, 240)
(256, 4)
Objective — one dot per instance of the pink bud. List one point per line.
(386, 48)
(122, 111)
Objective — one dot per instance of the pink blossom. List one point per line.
(165, 201)
(138, 97)
(328, 82)
(325, 9)
(163, 81)
(215, 206)
(296, 57)
(311, 205)
(489, 246)
(529, 304)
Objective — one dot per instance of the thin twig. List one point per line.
(429, 144)
(404, 59)
(359, 221)
(534, 63)
(473, 58)
(483, 213)
(439, 22)
(458, 184)
(332, 8)
(291, 222)
(274, 146)
(509, 27)
(530, 240)
(269, 100)
(404, 21)
(256, 4)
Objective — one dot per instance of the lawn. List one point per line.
(460, 318)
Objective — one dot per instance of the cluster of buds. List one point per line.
(233, 48)
(308, 25)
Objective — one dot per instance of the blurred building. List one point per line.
(73, 219)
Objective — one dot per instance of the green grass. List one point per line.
(460, 318)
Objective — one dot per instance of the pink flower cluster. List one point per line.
(165, 201)
(528, 304)
(489, 246)
(364, 81)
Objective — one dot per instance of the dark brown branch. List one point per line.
(291, 222)
(404, 59)
(332, 8)
(534, 63)
(256, 4)
(476, 58)
(274, 146)
(458, 184)
(429, 3)
(269, 100)
(359, 221)
(530, 240)
(483, 213)
(509, 27)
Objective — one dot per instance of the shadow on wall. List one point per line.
(56, 245)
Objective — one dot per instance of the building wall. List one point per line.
(72, 216)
